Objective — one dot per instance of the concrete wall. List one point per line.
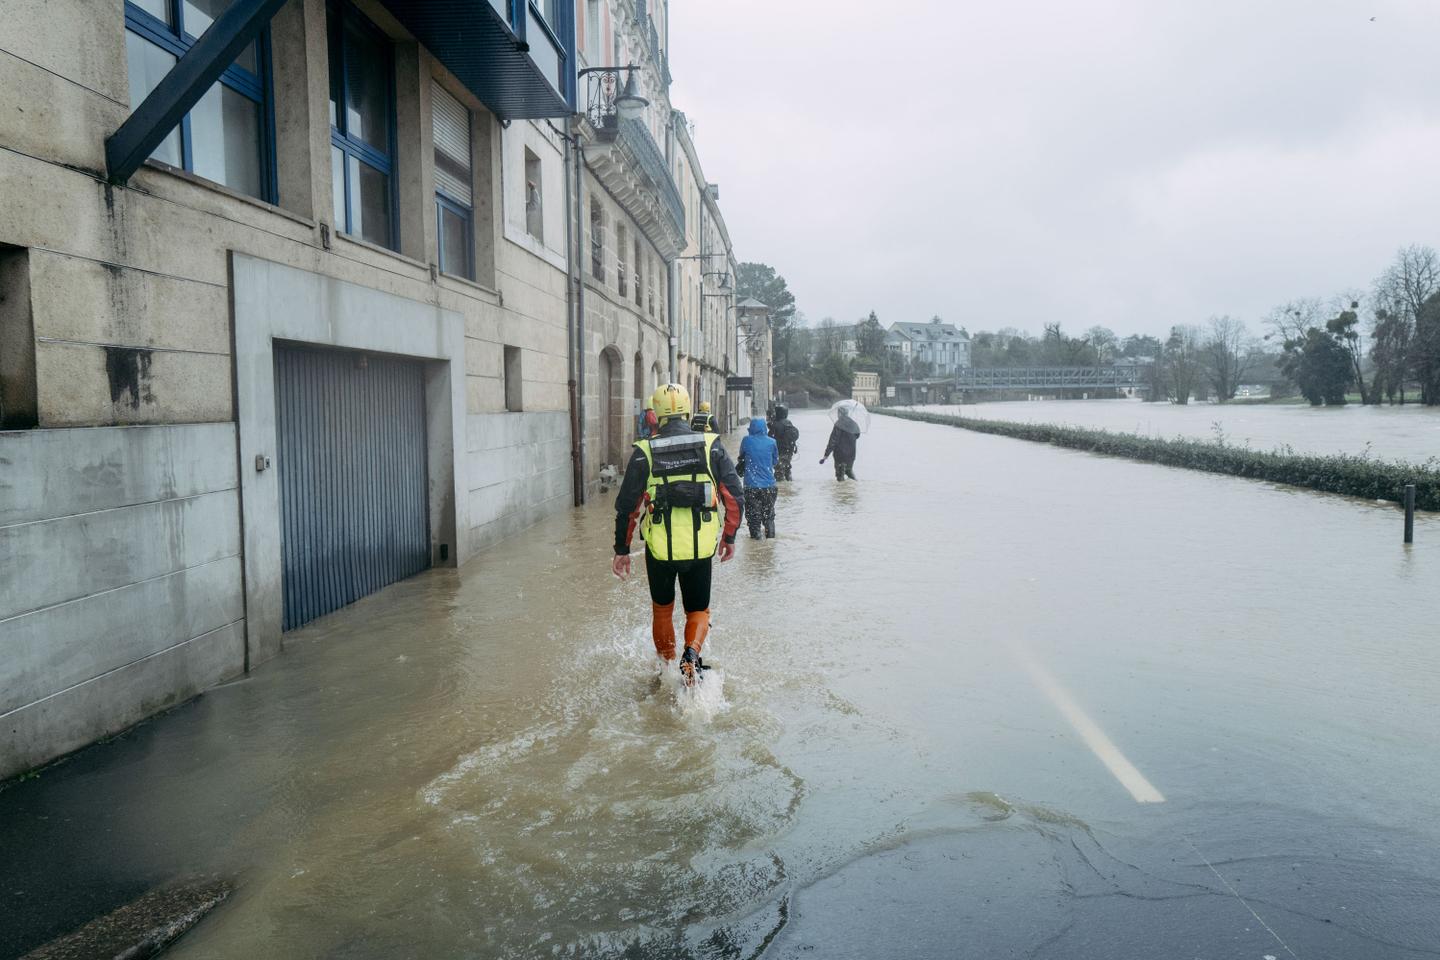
(120, 584)
(519, 470)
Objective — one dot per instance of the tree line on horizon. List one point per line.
(1382, 343)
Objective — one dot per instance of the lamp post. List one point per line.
(604, 105)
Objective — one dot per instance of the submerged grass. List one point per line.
(1352, 476)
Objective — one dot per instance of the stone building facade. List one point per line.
(323, 337)
(705, 323)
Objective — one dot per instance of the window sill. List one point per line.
(160, 166)
(473, 284)
(384, 251)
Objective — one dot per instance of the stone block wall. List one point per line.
(120, 581)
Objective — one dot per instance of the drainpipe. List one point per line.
(576, 477)
(574, 239)
(672, 271)
(670, 290)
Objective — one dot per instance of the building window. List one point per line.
(454, 191)
(597, 240)
(225, 136)
(654, 269)
(362, 127)
(513, 379)
(592, 32)
(639, 276)
(534, 197)
(621, 278)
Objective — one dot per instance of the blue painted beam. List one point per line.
(181, 88)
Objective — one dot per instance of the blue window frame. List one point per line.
(362, 126)
(229, 136)
(455, 234)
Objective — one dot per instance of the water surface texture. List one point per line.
(939, 685)
(1409, 432)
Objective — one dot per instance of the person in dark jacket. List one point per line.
(704, 420)
(842, 443)
(678, 485)
(759, 455)
(787, 439)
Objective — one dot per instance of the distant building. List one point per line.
(866, 388)
(940, 346)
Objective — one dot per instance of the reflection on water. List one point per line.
(1411, 432)
(483, 763)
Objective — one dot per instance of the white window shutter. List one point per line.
(451, 123)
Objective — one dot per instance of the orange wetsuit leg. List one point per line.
(663, 629)
(697, 628)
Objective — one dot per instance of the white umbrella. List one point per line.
(850, 416)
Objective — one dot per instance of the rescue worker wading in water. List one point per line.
(676, 487)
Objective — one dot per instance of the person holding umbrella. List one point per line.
(844, 435)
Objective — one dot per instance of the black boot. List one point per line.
(692, 666)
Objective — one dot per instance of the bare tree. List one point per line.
(1290, 320)
(1411, 280)
(1228, 353)
(827, 338)
(1398, 301)
(1106, 344)
(1182, 359)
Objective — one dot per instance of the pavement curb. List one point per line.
(141, 928)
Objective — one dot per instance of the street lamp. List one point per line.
(630, 104)
(604, 104)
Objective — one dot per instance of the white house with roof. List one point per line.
(942, 346)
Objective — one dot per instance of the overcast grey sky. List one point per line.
(1136, 163)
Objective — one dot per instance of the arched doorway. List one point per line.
(612, 414)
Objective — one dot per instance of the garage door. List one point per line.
(351, 464)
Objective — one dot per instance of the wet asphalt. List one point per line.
(991, 700)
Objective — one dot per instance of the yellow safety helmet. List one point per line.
(671, 400)
(704, 406)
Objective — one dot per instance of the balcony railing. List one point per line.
(634, 137)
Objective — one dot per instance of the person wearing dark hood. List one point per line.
(787, 439)
(842, 443)
(676, 487)
(759, 455)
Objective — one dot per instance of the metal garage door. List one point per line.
(351, 462)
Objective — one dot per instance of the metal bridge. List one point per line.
(981, 379)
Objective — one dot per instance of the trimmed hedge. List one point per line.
(1341, 473)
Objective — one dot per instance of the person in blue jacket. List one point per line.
(759, 455)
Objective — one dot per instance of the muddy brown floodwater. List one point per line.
(993, 699)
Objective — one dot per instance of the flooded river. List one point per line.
(993, 699)
(1411, 432)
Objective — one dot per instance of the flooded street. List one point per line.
(1409, 432)
(994, 699)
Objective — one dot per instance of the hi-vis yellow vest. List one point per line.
(682, 516)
